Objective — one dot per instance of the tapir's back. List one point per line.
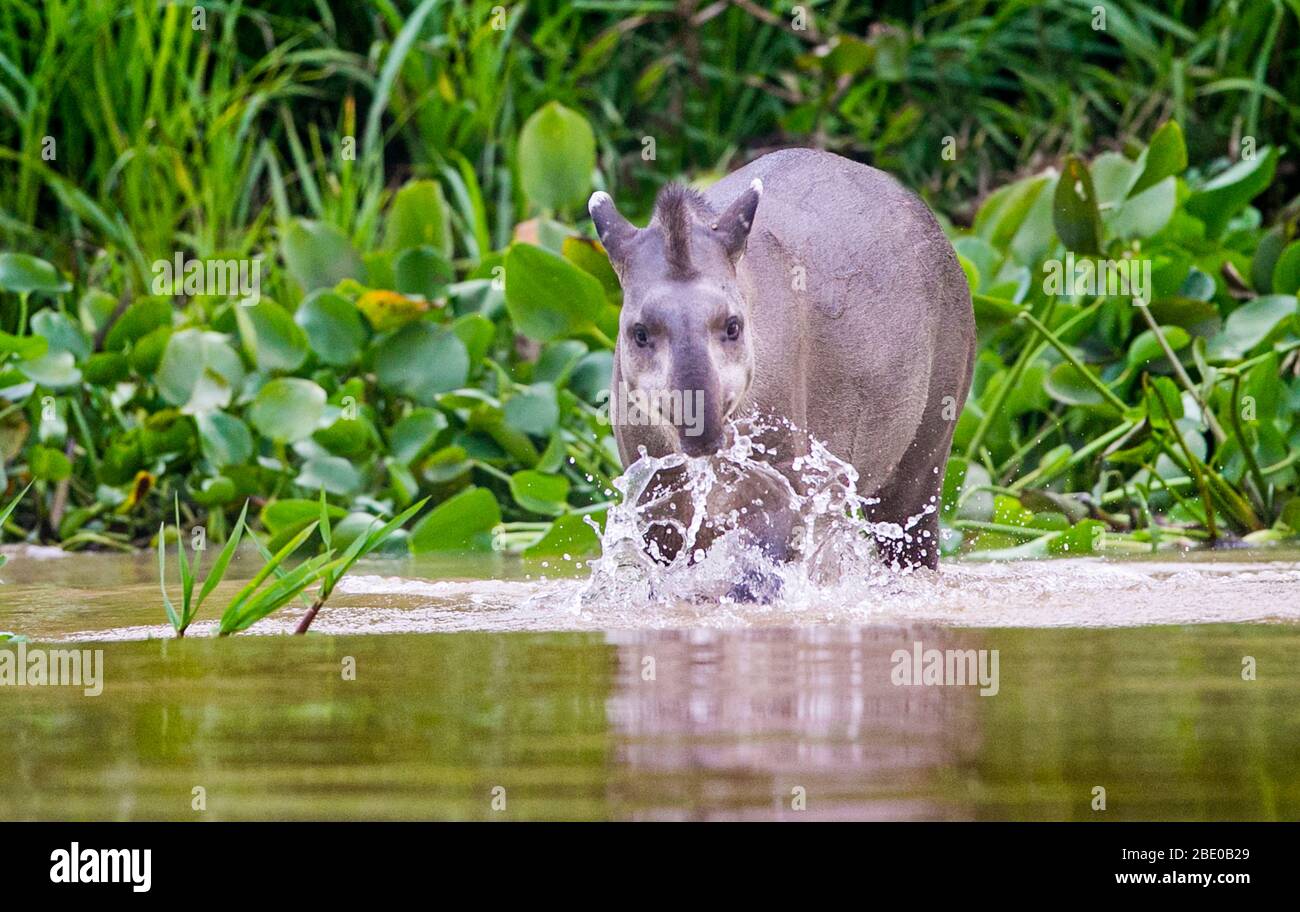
(861, 312)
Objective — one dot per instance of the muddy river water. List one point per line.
(490, 689)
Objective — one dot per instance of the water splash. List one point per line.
(748, 524)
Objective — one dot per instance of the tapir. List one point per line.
(818, 294)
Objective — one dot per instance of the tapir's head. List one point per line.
(684, 343)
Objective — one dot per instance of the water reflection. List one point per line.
(720, 725)
(788, 723)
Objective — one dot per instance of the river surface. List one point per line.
(493, 689)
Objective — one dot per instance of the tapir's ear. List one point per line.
(733, 226)
(616, 233)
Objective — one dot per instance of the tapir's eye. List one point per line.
(733, 328)
(639, 333)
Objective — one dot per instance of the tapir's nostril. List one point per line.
(699, 444)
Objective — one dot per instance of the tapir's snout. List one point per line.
(701, 444)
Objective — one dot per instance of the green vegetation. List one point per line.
(431, 321)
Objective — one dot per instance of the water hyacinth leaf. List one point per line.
(477, 332)
(1081, 539)
(1066, 384)
(333, 474)
(419, 217)
(414, 435)
(556, 157)
(1146, 347)
(547, 296)
(422, 272)
(287, 409)
(1163, 402)
(23, 274)
(570, 535)
(1226, 194)
(106, 368)
(533, 410)
(271, 337)
(48, 464)
(199, 371)
(56, 370)
(589, 256)
(539, 492)
(1145, 213)
(29, 348)
(333, 326)
(224, 439)
(1074, 212)
(463, 522)
(292, 514)
(139, 320)
(1250, 325)
(318, 255)
(61, 333)
(591, 378)
(1286, 271)
(1265, 260)
(388, 310)
(420, 361)
(1165, 157)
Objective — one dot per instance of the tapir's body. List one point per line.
(861, 326)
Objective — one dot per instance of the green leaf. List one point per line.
(413, 435)
(1250, 325)
(1165, 157)
(547, 296)
(1286, 272)
(1146, 347)
(533, 410)
(218, 571)
(1162, 396)
(1066, 384)
(287, 409)
(419, 217)
(1226, 194)
(1074, 211)
(29, 348)
(48, 464)
(199, 371)
(423, 272)
(331, 473)
(23, 274)
(463, 522)
(271, 337)
(318, 255)
(556, 157)
(224, 439)
(56, 370)
(333, 326)
(569, 535)
(172, 617)
(539, 492)
(420, 361)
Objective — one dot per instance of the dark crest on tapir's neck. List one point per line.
(677, 210)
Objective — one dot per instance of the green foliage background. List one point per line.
(435, 320)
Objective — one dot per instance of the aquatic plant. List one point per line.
(180, 620)
(363, 544)
(448, 336)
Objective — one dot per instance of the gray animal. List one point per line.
(804, 287)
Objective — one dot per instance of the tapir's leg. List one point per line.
(911, 497)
